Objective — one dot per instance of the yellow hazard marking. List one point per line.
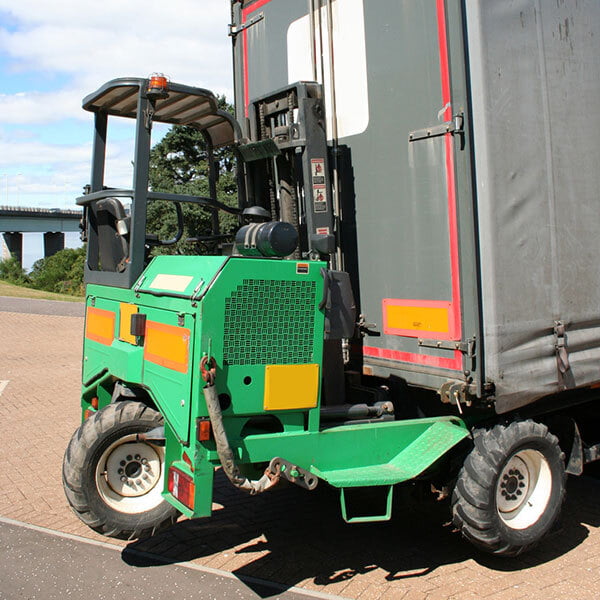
(100, 325)
(125, 312)
(167, 345)
(290, 387)
(417, 318)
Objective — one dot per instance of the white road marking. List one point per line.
(3, 384)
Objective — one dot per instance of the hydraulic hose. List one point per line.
(226, 456)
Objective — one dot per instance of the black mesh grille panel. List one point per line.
(270, 323)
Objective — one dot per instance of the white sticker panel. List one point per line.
(173, 283)
(350, 63)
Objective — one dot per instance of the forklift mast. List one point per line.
(287, 163)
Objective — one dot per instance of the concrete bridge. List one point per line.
(52, 222)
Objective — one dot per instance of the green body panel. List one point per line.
(248, 313)
(362, 455)
(260, 312)
(419, 451)
(171, 389)
(198, 271)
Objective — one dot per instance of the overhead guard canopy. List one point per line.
(185, 105)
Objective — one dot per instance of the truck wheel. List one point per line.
(510, 489)
(112, 482)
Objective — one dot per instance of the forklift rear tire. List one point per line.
(510, 489)
(113, 482)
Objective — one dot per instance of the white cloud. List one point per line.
(41, 107)
(186, 38)
(81, 44)
(37, 153)
(92, 42)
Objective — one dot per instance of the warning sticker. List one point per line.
(322, 231)
(319, 198)
(302, 269)
(317, 169)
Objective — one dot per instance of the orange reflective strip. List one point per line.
(167, 345)
(100, 325)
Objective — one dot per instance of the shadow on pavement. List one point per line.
(290, 535)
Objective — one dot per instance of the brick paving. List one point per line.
(294, 537)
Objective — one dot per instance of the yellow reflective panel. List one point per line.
(289, 387)
(100, 325)
(400, 319)
(167, 345)
(125, 312)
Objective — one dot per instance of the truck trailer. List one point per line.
(411, 295)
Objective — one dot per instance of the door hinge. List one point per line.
(454, 127)
(467, 347)
(237, 29)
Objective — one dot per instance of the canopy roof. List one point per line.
(185, 105)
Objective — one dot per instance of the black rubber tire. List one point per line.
(82, 455)
(474, 506)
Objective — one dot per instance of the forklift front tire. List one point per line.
(114, 482)
(510, 489)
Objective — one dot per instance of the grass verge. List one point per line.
(9, 289)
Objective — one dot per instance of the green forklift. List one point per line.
(409, 297)
(197, 362)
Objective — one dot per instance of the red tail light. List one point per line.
(182, 487)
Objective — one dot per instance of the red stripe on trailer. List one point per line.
(417, 359)
(245, 12)
(450, 179)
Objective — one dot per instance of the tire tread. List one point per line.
(473, 499)
(76, 480)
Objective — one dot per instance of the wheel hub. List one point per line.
(512, 485)
(132, 469)
(523, 489)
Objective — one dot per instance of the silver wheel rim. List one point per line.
(523, 489)
(128, 475)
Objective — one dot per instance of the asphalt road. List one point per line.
(42, 307)
(39, 564)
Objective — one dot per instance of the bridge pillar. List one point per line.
(14, 243)
(53, 243)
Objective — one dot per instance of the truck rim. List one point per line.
(128, 474)
(523, 489)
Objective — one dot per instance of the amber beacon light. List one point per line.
(158, 85)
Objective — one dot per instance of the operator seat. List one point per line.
(112, 225)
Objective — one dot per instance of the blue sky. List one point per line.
(52, 54)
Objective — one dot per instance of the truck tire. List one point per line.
(510, 489)
(113, 482)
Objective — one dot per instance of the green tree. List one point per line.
(13, 272)
(62, 272)
(179, 164)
